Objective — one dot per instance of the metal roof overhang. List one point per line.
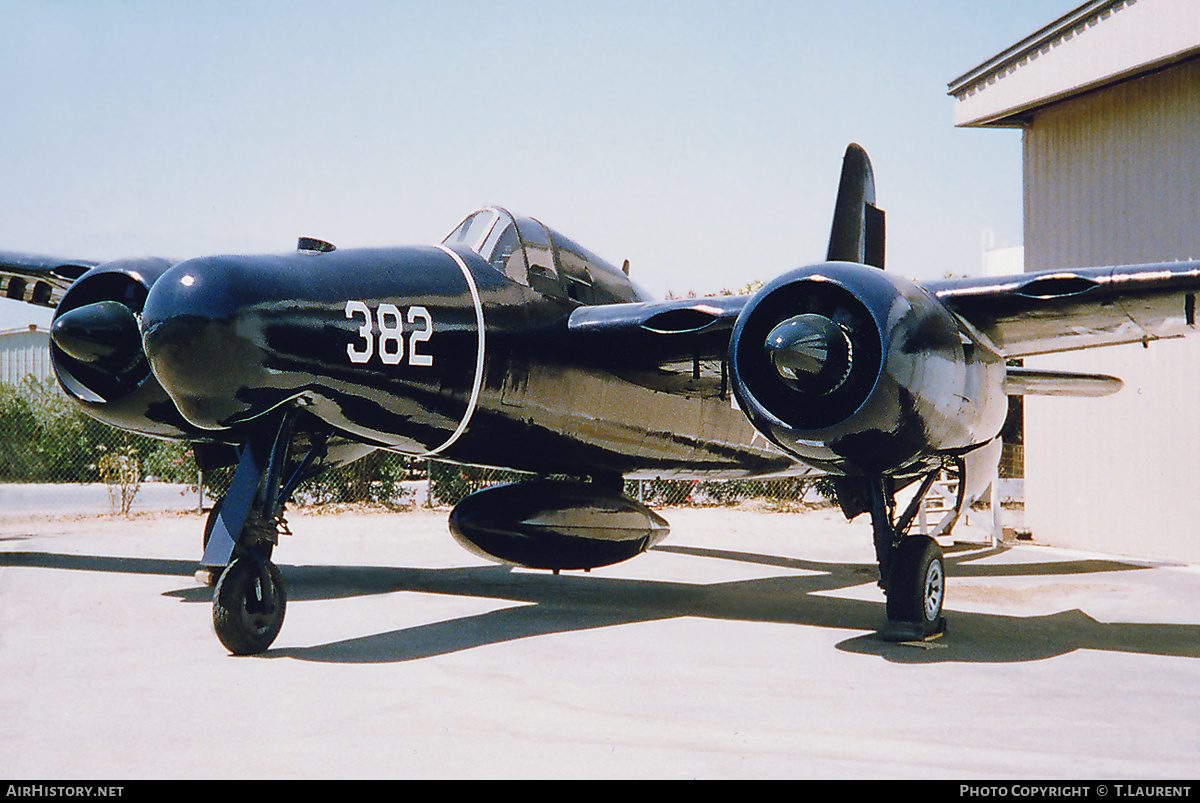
(1101, 42)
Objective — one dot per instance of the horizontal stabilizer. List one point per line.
(1032, 382)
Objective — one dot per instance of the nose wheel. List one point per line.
(248, 606)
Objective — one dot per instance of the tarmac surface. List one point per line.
(25, 499)
(741, 647)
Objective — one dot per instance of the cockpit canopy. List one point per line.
(538, 257)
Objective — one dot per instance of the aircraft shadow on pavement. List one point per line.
(573, 602)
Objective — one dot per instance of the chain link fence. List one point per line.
(46, 439)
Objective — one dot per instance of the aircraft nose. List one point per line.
(191, 337)
(810, 352)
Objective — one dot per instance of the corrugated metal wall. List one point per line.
(22, 353)
(1112, 178)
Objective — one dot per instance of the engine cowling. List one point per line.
(861, 372)
(96, 350)
(545, 524)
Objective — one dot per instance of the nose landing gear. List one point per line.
(250, 600)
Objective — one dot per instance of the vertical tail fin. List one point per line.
(857, 234)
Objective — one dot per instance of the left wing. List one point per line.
(38, 280)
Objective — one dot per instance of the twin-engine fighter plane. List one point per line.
(509, 345)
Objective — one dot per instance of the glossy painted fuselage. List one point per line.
(424, 351)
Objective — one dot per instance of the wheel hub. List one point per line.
(935, 588)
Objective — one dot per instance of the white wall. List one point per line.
(1119, 474)
(24, 352)
(1112, 178)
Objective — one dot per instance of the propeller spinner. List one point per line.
(103, 333)
(811, 353)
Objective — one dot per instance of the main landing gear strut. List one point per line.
(242, 530)
(912, 570)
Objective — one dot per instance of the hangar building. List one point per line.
(24, 352)
(1108, 102)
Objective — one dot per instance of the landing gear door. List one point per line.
(539, 256)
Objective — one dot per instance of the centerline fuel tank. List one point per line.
(547, 524)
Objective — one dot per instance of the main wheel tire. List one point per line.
(248, 614)
(917, 586)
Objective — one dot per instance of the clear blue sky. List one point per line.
(700, 140)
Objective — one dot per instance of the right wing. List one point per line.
(675, 346)
(1041, 313)
(680, 346)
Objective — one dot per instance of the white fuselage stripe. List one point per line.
(475, 387)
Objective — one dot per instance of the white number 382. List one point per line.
(391, 334)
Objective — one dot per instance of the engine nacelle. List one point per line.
(543, 524)
(96, 349)
(861, 372)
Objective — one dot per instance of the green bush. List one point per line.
(374, 479)
(46, 438)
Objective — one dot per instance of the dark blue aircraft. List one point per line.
(509, 345)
